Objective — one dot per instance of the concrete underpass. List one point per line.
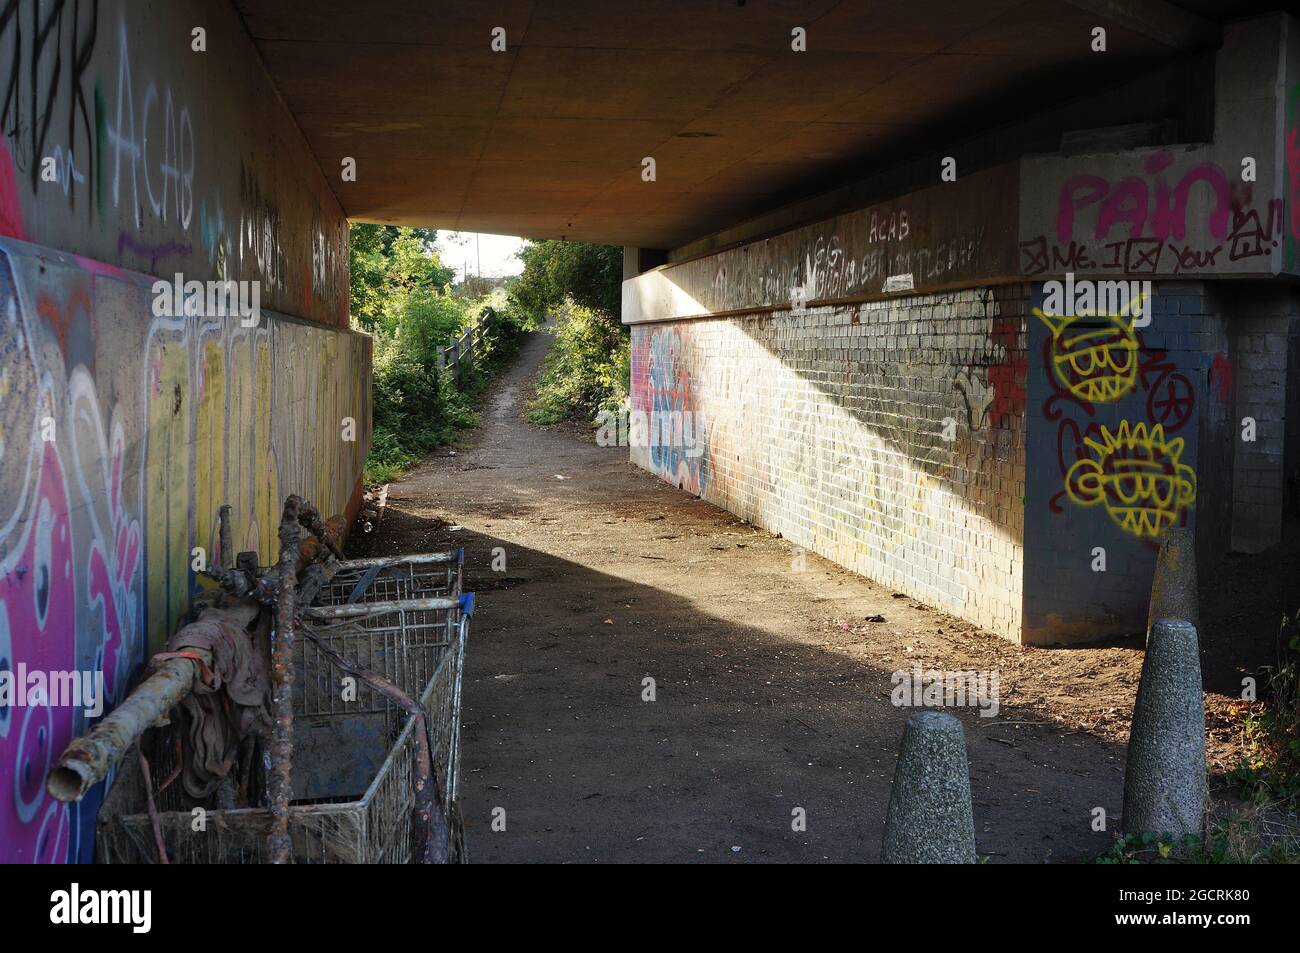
(854, 236)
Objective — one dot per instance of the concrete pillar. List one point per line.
(1164, 778)
(930, 818)
(1261, 332)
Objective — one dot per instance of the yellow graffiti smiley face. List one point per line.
(1137, 475)
(1095, 358)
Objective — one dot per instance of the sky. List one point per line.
(498, 253)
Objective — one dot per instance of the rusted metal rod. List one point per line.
(280, 781)
(250, 581)
(310, 517)
(154, 823)
(225, 558)
(88, 759)
(431, 839)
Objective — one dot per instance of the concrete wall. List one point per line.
(1179, 210)
(824, 374)
(167, 159)
(1266, 319)
(935, 238)
(828, 426)
(122, 431)
(1115, 456)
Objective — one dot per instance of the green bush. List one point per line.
(415, 408)
(411, 410)
(587, 370)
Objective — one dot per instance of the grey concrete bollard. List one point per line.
(1174, 588)
(1164, 780)
(930, 820)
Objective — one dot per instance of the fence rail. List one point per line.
(458, 356)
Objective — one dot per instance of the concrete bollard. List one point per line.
(930, 820)
(1164, 780)
(1174, 588)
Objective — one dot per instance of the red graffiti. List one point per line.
(1221, 376)
(1131, 201)
(1007, 377)
(61, 318)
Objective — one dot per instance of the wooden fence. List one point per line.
(458, 356)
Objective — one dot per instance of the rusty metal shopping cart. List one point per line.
(368, 724)
(360, 759)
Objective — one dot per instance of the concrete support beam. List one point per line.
(639, 260)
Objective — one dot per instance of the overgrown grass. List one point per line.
(587, 370)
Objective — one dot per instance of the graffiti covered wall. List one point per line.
(120, 435)
(1191, 210)
(122, 142)
(1167, 212)
(927, 240)
(885, 436)
(144, 139)
(1117, 414)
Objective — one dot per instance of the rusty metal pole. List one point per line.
(310, 517)
(88, 759)
(226, 558)
(280, 782)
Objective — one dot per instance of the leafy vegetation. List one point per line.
(406, 298)
(1271, 766)
(555, 272)
(1250, 835)
(387, 264)
(587, 369)
(589, 366)
(402, 293)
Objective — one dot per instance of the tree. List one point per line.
(589, 275)
(387, 262)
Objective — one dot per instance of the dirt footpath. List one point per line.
(771, 686)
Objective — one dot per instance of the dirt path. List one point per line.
(772, 687)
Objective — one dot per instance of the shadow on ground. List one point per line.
(772, 686)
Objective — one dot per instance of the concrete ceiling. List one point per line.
(546, 139)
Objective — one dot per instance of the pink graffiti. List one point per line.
(93, 267)
(11, 213)
(1130, 200)
(38, 622)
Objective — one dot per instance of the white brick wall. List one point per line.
(827, 426)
